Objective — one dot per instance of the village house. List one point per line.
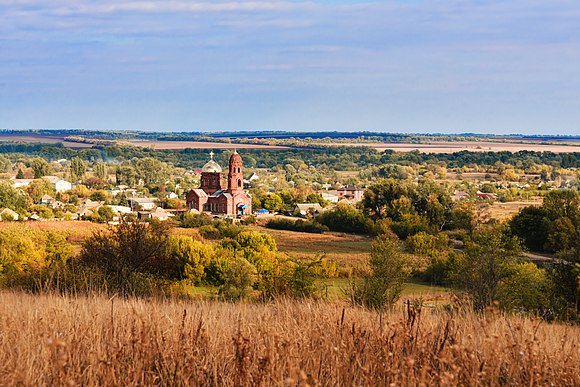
(58, 184)
(351, 193)
(215, 196)
(304, 209)
(145, 204)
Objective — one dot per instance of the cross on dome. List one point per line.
(211, 155)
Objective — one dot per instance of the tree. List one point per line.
(151, 170)
(526, 287)
(106, 213)
(238, 278)
(193, 256)
(379, 197)
(122, 251)
(382, 284)
(20, 174)
(531, 225)
(38, 188)
(273, 202)
(100, 170)
(486, 262)
(11, 197)
(346, 218)
(77, 168)
(40, 167)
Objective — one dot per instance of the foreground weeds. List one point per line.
(54, 340)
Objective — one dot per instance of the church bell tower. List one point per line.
(235, 175)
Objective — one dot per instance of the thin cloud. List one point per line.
(78, 8)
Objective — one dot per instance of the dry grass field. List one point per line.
(472, 146)
(339, 247)
(55, 340)
(504, 211)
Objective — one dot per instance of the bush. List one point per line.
(127, 252)
(195, 220)
(297, 225)
(26, 253)
(526, 288)
(238, 278)
(193, 256)
(382, 284)
(346, 218)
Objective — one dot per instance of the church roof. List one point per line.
(219, 193)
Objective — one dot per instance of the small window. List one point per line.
(239, 183)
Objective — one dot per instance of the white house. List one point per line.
(146, 204)
(121, 209)
(58, 184)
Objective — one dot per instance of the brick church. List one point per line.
(214, 196)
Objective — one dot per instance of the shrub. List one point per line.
(238, 277)
(123, 252)
(346, 218)
(193, 256)
(195, 220)
(527, 287)
(296, 225)
(382, 284)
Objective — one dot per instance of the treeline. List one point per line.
(331, 157)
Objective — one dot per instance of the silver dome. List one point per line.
(211, 166)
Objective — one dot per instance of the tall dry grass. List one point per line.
(54, 340)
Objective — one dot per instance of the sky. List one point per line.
(454, 66)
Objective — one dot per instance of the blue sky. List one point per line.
(404, 66)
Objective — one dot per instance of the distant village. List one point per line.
(229, 194)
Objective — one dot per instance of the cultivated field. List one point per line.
(472, 146)
(41, 139)
(54, 340)
(199, 145)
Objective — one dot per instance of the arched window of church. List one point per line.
(239, 183)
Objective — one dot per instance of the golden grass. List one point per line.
(54, 340)
(344, 249)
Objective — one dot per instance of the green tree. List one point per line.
(238, 278)
(487, 259)
(11, 197)
(38, 188)
(100, 170)
(273, 202)
(20, 174)
(151, 170)
(531, 225)
(77, 168)
(194, 256)
(382, 284)
(106, 213)
(526, 287)
(40, 167)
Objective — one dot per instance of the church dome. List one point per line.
(211, 165)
